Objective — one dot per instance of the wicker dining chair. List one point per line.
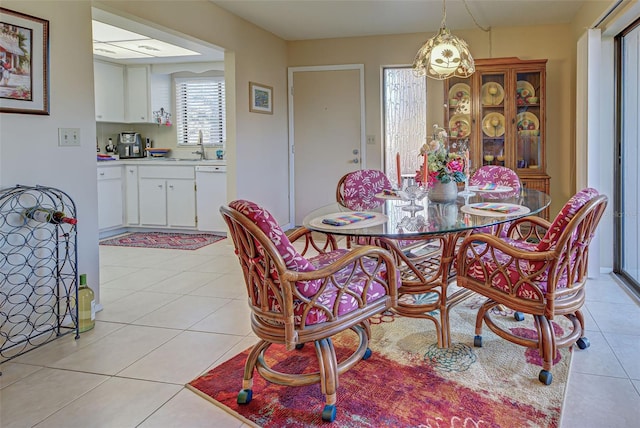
(297, 299)
(356, 190)
(501, 176)
(543, 276)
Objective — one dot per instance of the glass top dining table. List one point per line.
(423, 237)
(400, 219)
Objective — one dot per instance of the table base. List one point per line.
(430, 275)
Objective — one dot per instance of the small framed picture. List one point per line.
(260, 98)
(24, 63)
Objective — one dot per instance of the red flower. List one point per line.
(456, 165)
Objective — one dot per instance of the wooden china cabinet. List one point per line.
(500, 111)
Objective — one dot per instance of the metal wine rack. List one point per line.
(38, 271)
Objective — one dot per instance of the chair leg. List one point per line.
(246, 393)
(546, 346)
(583, 342)
(328, 376)
(484, 309)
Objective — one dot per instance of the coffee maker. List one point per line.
(130, 145)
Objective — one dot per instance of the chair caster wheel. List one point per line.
(518, 316)
(300, 346)
(329, 413)
(477, 341)
(583, 343)
(244, 396)
(367, 354)
(545, 377)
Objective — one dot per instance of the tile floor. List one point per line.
(170, 315)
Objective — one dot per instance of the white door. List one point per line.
(328, 132)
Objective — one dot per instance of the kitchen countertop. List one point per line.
(163, 161)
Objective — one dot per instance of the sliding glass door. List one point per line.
(627, 200)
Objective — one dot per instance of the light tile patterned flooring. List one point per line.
(170, 315)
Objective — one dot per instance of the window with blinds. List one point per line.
(200, 106)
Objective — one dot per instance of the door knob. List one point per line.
(356, 160)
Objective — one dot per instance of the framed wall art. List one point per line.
(24, 63)
(260, 98)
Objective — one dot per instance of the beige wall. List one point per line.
(554, 42)
(29, 143)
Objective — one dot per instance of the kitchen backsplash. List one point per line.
(160, 135)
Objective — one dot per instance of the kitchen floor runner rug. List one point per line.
(408, 381)
(175, 241)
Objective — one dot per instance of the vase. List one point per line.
(443, 193)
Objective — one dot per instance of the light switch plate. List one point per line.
(69, 137)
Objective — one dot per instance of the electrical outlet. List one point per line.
(69, 137)
(371, 139)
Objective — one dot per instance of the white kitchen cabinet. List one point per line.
(109, 91)
(160, 93)
(129, 94)
(110, 202)
(153, 201)
(146, 93)
(132, 215)
(137, 95)
(181, 203)
(167, 196)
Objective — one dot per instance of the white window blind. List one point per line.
(200, 106)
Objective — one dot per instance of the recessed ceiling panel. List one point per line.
(116, 52)
(155, 48)
(126, 41)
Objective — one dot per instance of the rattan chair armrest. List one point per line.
(350, 257)
(496, 243)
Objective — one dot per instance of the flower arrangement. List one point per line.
(441, 165)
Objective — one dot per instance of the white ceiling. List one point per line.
(320, 19)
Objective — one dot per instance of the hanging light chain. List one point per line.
(443, 23)
(466, 6)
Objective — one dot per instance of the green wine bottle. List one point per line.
(86, 306)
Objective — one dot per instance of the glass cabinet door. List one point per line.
(493, 120)
(458, 120)
(528, 121)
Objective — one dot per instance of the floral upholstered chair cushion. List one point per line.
(292, 259)
(351, 277)
(354, 280)
(563, 218)
(501, 176)
(361, 186)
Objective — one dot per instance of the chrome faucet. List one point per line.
(201, 144)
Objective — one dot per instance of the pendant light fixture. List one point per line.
(444, 55)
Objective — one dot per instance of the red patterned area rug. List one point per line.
(407, 382)
(175, 241)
